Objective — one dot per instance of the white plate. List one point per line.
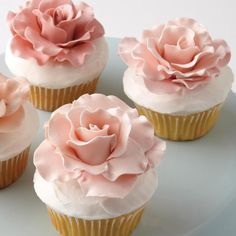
(197, 180)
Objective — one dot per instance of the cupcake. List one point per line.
(95, 168)
(18, 125)
(59, 47)
(177, 77)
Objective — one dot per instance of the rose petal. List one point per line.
(88, 151)
(86, 135)
(48, 30)
(144, 139)
(105, 102)
(22, 48)
(171, 34)
(155, 154)
(2, 109)
(49, 164)
(76, 56)
(99, 186)
(74, 164)
(176, 55)
(41, 44)
(125, 163)
(100, 118)
(22, 20)
(47, 4)
(12, 122)
(58, 133)
(63, 12)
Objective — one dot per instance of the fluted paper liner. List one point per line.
(12, 169)
(119, 226)
(181, 128)
(50, 99)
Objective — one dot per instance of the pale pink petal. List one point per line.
(124, 132)
(125, 50)
(105, 102)
(144, 139)
(222, 51)
(22, 20)
(47, 4)
(100, 118)
(76, 56)
(88, 151)
(24, 49)
(58, 133)
(2, 109)
(174, 54)
(41, 44)
(171, 34)
(62, 13)
(99, 186)
(125, 163)
(85, 134)
(48, 30)
(156, 153)
(76, 164)
(49, 164)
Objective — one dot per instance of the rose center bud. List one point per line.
(62, 13)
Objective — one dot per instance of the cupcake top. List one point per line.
(97, 160)
(175, 60)
(55, 35)
(18, 119)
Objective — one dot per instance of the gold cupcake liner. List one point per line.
(50, 99)
(12, 169)
(181, 127)
(119, 226)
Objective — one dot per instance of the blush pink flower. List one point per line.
(101, 143)
(55, 30)
(13, 93)
(179, 53)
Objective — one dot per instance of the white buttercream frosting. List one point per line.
(13, 143)
(67, 198)
(189, 101)
(56, 75)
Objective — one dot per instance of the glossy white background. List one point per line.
(129, 17)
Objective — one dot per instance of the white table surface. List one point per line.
(197, 180)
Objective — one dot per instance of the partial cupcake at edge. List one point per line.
(18, 126)
(95, 170)
(59, 47)
(177, 77)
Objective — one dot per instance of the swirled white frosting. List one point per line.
(56, 75)
(13, 143)
(68, 199)
(189, 101)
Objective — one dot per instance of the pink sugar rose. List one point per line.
(179, 53)
(55, 30)
(13, 93)
(101, 143)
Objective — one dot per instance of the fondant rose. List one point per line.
(179, 53)
(13, 94)
(100, 142)
(55, 30)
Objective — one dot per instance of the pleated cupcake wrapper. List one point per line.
(50, 99)
(12, 169)
(180, 128)
(119, 226)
